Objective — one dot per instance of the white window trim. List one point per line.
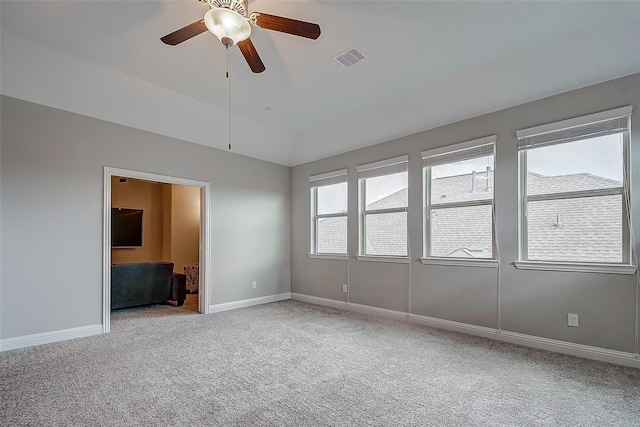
(372, 170)
(381, 258)
(592, 267)
(321, 180)
(339, 257)
(461, 262)
(576, 267)
(427, 156)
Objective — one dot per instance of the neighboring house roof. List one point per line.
(386, 234)
(332, 235)
(393, 200)
(542, 184)
(460, 188)
(586, 229)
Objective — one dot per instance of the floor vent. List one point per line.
(350, 57)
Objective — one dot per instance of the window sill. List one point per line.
(373, 258)
(576, 267)
(461, 262)
(329, 256)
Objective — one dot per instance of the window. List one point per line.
(573, 178)
(383, 208)
(458, 194)
(329, 213)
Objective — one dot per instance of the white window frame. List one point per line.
(372, 170)
(467, 150)
(321, 180)
(580, 128)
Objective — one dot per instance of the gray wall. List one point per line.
(532, 302)
(51, 202)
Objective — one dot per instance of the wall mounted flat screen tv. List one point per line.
(126, 228)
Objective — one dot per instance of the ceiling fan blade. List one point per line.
(286, 25)
(185, 33)
(251, 55)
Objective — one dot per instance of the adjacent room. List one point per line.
(231, 212)
(154, 226)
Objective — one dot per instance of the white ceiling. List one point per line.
(428, 64)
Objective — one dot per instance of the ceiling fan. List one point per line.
(230, 21)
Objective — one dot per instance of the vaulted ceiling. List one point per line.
(427, 64)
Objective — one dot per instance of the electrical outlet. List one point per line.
(254, 285)
(572, 319)
(344, 288)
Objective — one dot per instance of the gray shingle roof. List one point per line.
(460, 188)
(387, 234)
(589, 229)
(465, 229)
(394, 200)
(332, 235)
(541, 184)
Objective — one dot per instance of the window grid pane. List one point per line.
(466, 229)
(332, 235)
(589, 164)
(462, 232)
(332, 198)
(329, 234)
(386, 234)
(388, 191)
(585, 229)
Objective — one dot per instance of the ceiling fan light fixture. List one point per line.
(227, 24)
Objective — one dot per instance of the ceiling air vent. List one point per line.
(350, 57)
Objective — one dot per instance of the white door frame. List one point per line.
(205, 241)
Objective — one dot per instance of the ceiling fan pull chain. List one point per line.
(229, 95)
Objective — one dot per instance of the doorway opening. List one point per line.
(177, 248)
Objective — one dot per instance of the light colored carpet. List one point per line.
(297, 364)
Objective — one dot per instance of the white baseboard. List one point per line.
(564, 347)
(216, 308)
(49, 337)
(85, 331)
(320, 301)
